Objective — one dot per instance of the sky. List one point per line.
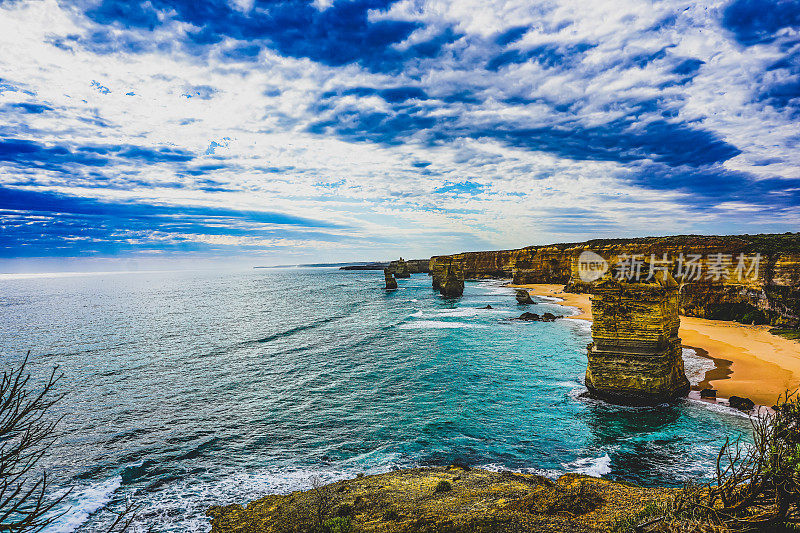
(147, 132)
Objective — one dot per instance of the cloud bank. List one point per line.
(364, 129)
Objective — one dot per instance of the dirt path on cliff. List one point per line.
(762, 365)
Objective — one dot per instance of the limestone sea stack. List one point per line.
(635, 356)
(391, 283)
(451, 284)
(401, 269)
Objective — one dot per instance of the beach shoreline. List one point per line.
(749, 360)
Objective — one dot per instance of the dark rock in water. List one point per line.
(487, 307)
(708, 393)
(549, 317)
(524, 297)
(742, 404)
(529, 316)
(391, 283)
(401, 269)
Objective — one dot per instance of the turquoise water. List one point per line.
(187, 389)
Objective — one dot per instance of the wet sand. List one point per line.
(750, 361)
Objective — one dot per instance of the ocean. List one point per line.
(197, 388)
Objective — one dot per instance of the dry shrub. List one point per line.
(757, 486)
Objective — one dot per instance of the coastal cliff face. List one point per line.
(769, 296)
(412, 266)
(635, 356)
(443, 499)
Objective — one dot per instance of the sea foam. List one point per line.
(591, 466)
(87, 502)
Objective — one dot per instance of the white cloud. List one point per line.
(270, 161)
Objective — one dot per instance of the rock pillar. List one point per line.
(401, 269)
(391, 283)
(451, 283)
(635, 356)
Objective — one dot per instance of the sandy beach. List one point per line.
(751, 362)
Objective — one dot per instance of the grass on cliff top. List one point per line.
(787, 333)
(442, 499)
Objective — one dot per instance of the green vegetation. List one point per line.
(757, 486)
(576, 499)
(651, 511)
(339, 524)
(443, 486)
(787, 333)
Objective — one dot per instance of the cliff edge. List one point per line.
(769, 295)
(444, 499)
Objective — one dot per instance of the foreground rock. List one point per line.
(523, 297)
(635, 356)
(443, 499)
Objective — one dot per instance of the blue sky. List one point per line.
(364, 129)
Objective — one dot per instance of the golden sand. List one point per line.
(751, 361)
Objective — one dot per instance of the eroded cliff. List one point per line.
(770, 294)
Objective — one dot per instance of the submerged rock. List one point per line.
(635, 356)
(487, 307)
(549, 317)
(529, 316)
(391, 283)
(524, 297)
(742, 404)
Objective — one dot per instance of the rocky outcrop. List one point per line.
(533, 317)
(391, 283)
(400, 269)
(772, 297)
(413, 266)
(446, 500)
(635, 355)
(742, 404)
(523, 297)
(475, 265)
(451, 285)
(542, 264)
